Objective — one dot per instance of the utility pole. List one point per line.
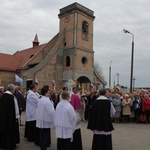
(133, 84)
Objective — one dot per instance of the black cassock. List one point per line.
(100, 120)
(9, 127)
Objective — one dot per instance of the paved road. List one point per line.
(129, 136)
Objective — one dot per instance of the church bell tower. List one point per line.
(78, 54)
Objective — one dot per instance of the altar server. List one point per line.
(45, 117)
(31, 106)
(65, 121)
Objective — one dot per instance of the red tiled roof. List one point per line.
(9, 62)
(27, 54)
(20, 58)
(17, 60)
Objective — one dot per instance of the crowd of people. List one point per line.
(63, 111)
(133, 108)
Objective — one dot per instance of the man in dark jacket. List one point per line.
(21, 101)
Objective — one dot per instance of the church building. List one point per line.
(68, 55)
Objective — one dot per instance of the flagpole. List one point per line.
(82, 88)
(110, 74)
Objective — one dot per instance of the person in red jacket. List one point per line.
(146, 107)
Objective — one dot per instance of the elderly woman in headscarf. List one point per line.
(126, 109)
(117, 105)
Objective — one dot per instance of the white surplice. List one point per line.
(31, 105)
(45, 113)
(65, 120)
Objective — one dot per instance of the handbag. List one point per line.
(143, 118)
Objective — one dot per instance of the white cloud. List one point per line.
(21, 20)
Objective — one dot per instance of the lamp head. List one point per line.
(125, 31)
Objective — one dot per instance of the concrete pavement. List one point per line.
(129, 136)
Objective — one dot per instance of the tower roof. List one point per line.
(36, 41)
(76, 7)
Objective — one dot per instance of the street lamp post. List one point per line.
(134, 83)
(117, 78)
(110, 74)
(114, 81)
(132, 54)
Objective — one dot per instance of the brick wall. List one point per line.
(6, 78)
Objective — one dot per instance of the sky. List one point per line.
(20, 20)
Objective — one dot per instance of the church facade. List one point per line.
(68, 55)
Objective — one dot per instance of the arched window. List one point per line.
(84, 60)
(85, 26)
(67, 61)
